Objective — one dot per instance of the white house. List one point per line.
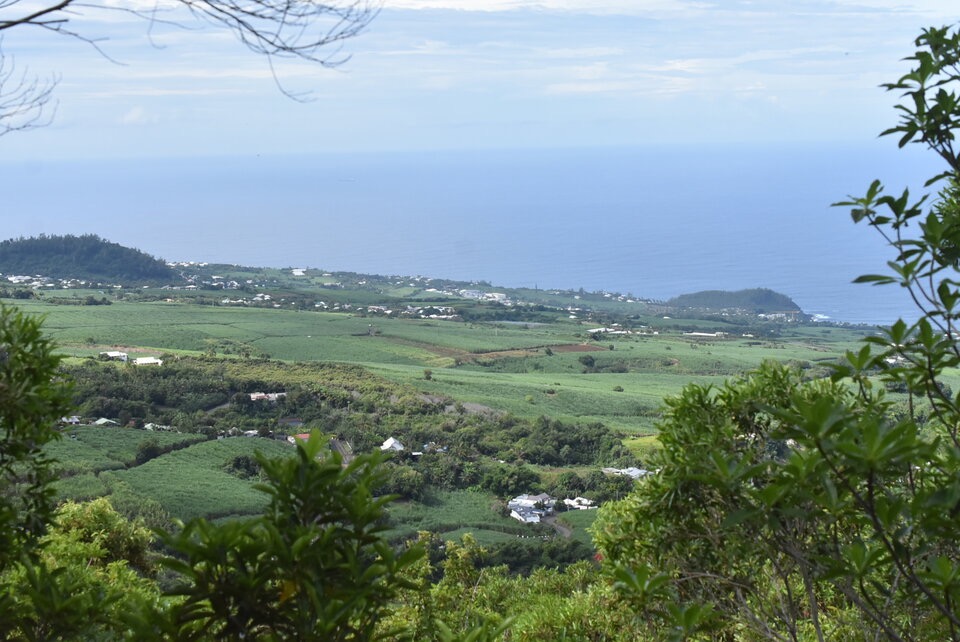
(579, 503)
(266, 396)
(526, 515)
(147, 361)
(530, 501)
(114, 355)
(529, 509)
(633, 472)
(392, 444)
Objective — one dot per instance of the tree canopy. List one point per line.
(754, 300)
(87, 257)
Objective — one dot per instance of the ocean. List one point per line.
(654, 221)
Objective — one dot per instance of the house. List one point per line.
(633, 472)
(530, 501)
(579, 503)
(103, 421)
(114, 355)
(72, 420)
(266, 396)
(293, 439)
(147, 361)
(526, 515)
(392, 444)
(529, 509)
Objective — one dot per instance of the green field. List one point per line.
(188, 482)
(91, 449)
(503, 366)
(580, 521)
(283, 334)
(554, 367)
(451, 514)
(192, 482)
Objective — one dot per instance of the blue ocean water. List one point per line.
(652, 221)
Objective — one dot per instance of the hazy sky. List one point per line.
(462, 74)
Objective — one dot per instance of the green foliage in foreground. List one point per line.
(313, 567)
(32, 398)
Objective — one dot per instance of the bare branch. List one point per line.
(290, 28)
(311, 30)
(41, 17)
(306, 29)
(25, 102)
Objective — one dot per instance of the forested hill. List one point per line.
(757, 300)
(87, 257)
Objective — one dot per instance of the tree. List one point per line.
(148, 449)
(309, 30)
(32, 398)
(93, 568)
(795, 509)
(314, 567)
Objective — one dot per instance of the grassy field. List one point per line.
(580, 521)
(451, 514)
(283, 334)
(191, 481)
(91, 449)
(503, 366)
(569, 397)
(559, 387)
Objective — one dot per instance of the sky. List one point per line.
(478, 74)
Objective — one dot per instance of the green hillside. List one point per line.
(87, 257)
(755, 300)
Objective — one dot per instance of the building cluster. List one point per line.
(38, 281)
(531, 509)
(416, 312)
(394, 445)
(267, 396)
(631, 472)
(117, 355)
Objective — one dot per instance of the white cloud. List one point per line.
(137, 116)
(579, 53)
(621, 7)
(155, 93)
(931, 11)
(203, 74)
